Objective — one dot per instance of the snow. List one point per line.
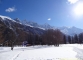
(3, 17)
(34, 26)
(41, 28)
(70, 30)
(66, 30)
(6, 17)
(28, 25)
(63, 52)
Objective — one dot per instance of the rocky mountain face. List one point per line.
(66, 30)
(70, 30)
(12, 31)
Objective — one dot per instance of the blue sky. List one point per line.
(54, 12)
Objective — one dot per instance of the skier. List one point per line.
(11, 47)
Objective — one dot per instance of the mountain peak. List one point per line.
(66, 30)
(5, 17)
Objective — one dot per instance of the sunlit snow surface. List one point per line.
(63, 52)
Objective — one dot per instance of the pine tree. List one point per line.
(76, 38)
(69, 39)
(64, 38)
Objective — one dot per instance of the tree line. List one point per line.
(49, 37)
(77, 38)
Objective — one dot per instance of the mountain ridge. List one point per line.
(66, 30)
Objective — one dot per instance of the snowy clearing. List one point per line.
(64, 52)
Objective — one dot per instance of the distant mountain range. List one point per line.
(70, 30)
(66, 30)
(36, 28)
(12, 31)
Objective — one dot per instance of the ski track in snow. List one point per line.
(79, 53)
(17, 55)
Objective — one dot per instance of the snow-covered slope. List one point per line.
(36, 25)
(64, 52)
(15, 23)
(65, 30)
(6, 17)
(13, 30)
(70, 30)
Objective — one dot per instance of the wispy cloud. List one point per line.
(49, 18)
(73, 1)
(11, 9)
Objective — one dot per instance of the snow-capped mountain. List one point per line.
(70, 30)
(34, 25)
(66, 30)
(13, 31)
(12, 23)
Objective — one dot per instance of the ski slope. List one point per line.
(64, 52)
